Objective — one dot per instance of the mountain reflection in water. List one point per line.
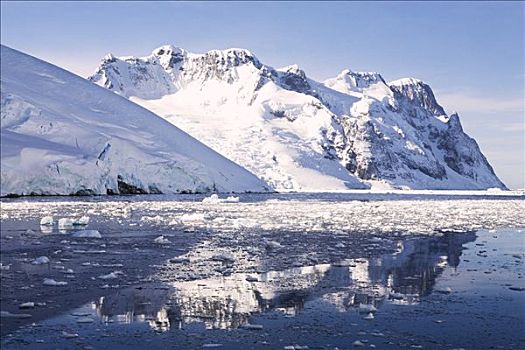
(229, 301)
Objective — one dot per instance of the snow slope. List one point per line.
(352, 131)
(61, 134)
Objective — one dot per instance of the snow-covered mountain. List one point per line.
(352, 131)
(61, 134)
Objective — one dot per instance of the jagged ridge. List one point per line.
(354, 130)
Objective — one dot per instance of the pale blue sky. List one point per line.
(472, 54)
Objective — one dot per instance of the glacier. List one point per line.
(297, 134)
(63, 135)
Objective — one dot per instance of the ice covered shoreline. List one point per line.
(356, 194)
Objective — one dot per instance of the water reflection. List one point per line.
(353, 284)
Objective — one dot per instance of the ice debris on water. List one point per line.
(86, 234)
(214, 199)
(28, 305)
(69, 335)
(53, 283)
(211, 345)
(7, 314)
(111, 275)
(358, 343)
(443, 290)
(370, 316)
(40, 260)
(83, 221)
(85, 320)
(65, 223)
(367, 308)
(161, 240)
(47, 221)
(273, 245)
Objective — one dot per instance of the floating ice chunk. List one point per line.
(40, 260)
(69, 335)
(214, 199)
(4, 267)
(7, 314)
(161, 240)
(370, 316)
(28, 305)
(231, 199)
(65, 223)
(192, 217)
(47, 221)
(273, 245)
(84, 220)
(111, 275)
(53, 283)
(87, 234)
(358, 343)
(443, 290)
(211, 345)
(367, 308)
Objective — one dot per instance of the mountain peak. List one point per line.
(167, 50)
(419, 92)
(360, 80)
(353, 128)
(293, 69)
(235, 55)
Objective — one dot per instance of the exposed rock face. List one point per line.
(354, 130)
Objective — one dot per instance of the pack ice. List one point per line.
(352, 131)
(63, 135)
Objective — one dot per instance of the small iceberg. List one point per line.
(51, 282)
(87, 234)
(47, 221)
(161, 240)
(65, 223)
(214, 199)
(41, 260)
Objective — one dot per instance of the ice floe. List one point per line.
(28, 305)
(41, 260)
(161, 240)
(214, 199)
(7, 314)
(47, 221)
(86, 234)
(111, 275)
(51, 282)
